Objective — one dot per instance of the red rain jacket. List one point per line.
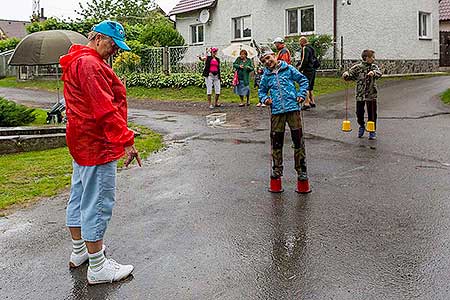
(96, 108)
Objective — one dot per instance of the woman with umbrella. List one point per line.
(243, 66)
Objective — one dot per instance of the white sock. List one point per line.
(78, 246)
(96, 261)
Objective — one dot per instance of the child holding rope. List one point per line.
(365, 74)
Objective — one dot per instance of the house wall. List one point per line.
(391, 29)
(268, 20)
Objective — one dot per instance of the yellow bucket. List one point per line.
(370, 126)
(346, 126)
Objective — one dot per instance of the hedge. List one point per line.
(176, 80)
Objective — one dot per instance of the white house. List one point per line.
(404, 33)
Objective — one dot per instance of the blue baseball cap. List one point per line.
(114, 30)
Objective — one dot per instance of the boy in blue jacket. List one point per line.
(277, 89)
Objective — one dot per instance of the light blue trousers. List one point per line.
(91, 201)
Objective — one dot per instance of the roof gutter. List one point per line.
(335, 29)
(171, 13)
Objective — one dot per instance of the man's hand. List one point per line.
(300, 99)
(241, 66)
(268, 101)
(371, 74)
(132, 153)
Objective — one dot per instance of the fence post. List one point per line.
(166, 60)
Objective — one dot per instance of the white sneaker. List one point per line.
(263, 105)
(111, 271)
(258, 105)
(77, 260)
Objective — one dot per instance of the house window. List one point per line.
(242, 28)
(197, 34)
(424, 25)
(300, 20)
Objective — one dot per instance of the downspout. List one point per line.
(335, 30)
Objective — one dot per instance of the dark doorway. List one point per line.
(445, 49)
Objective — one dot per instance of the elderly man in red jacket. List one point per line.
(97, 136)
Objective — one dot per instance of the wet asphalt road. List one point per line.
(198, 223)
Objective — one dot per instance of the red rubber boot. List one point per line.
(275, 185)
(303, 187)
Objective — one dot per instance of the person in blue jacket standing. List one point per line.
(277, 90)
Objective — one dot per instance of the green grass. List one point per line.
(446, 97)
(26, 177)
(48, 85)
(323, 86)
(41, 117)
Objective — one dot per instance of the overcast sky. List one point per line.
(21, 9)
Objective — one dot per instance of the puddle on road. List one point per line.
(230, 140)
(167, 119)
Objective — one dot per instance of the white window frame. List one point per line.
(299, 21)
(242, 18)
(428, 25)
(196, 26)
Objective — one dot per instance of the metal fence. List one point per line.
(154, 60)
(5, 69)
(184, 59)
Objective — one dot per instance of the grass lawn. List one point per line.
(49, 85)
(446, 97)
(26, 177)
(323, 85)
(41, 117)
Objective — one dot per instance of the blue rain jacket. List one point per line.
(280, 87)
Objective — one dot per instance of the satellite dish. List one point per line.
(204, 16)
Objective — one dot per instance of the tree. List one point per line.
(124, 11)
(161, 33)
(81, 26)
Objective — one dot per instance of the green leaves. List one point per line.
(176, 80)
(12, 114)
(124, 11)
(8, 44)
(161, 33)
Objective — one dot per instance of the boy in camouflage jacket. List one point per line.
(365, 74)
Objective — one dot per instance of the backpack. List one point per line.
(315, 61)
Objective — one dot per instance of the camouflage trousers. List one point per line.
(278, 123)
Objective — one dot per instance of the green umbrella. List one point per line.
(45, 47)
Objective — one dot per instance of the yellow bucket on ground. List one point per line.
(370, 126)
(346, 126)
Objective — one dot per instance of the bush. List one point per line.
(161, 33)
(8, 44)
(320, 42)
(177, 80)
(126, 62)
(12, 114)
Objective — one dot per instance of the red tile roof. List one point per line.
(444, 10)
(14, 28)
(190, 5)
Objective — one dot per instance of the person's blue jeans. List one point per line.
(91, 199)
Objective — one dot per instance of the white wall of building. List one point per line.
(388, 26)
